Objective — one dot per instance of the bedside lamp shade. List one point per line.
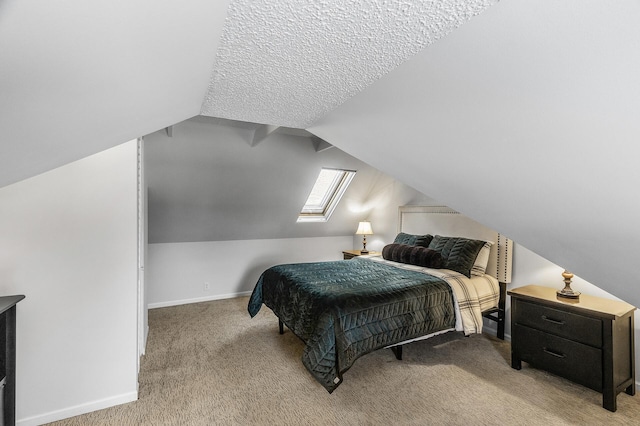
(364, 229)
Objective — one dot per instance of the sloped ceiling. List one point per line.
(526, 119)
(78, 77)
(290, 62)
(523, 116)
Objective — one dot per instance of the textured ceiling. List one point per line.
(288, 63)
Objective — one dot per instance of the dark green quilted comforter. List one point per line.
(345, 309)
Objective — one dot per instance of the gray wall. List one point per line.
(207, 183)
(222, 211)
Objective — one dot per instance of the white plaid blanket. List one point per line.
(472, 295)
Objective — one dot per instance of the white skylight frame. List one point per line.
(325, 195)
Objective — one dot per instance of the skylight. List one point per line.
(325, 194)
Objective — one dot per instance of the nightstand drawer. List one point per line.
(561, 323)
(574, 361)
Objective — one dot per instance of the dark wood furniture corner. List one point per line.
(350, 254)
(8, 356)
(589, 341)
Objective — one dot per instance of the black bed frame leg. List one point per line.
(501, 328)
(397, 351)
(499, 314)
(281, 327)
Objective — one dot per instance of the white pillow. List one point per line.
(480, 265)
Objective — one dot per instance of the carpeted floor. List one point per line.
(211, 364)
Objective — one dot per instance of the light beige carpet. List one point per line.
(211, 364)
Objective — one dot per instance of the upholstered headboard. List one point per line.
(448, 222)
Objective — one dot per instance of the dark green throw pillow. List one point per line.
(459, 254)
(413, 255)
(413, 240)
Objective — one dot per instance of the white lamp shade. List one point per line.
(364, 228)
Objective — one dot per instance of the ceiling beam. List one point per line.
(320, 144)
(262, 132)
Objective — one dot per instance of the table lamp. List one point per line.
(364, 229)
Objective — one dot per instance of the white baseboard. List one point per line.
(494, 331)
(65, 413)
(198, 300)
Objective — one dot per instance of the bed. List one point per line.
(443, 272)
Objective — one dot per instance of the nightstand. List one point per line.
(588, 341)
(8, 358)
(350, 254)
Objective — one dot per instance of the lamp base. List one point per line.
(364, 251)
(568, 293)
